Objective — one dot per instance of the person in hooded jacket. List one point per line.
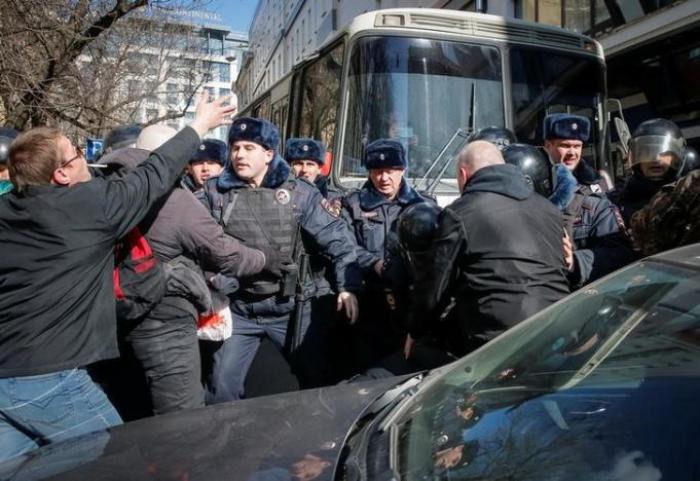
(497, 251)
(165, 341)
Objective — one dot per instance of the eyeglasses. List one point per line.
(78, 154)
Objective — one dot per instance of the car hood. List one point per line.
(290, 436)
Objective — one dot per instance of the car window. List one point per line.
(572, 388)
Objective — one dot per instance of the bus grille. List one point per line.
(494, 30)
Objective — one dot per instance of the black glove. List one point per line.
(273, 265)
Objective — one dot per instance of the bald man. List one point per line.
(498, 252)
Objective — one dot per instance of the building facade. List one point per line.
(220, 51)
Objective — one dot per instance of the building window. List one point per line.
(582, 16)
(171, 96)
(224, 72)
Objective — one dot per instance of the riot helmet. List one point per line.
(535, 166)
(657, 149)
(499, 136)
(691, 161)
(7, 135)
(418, 224)
(122, 136)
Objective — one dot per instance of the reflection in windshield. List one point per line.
(420, 92)
(586, 389)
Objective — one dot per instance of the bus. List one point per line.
(420, 75)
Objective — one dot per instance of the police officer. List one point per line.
(307, 157)
(7, 135)
(554, 182)
(657, 151)
(564, 136)
(372, 213)
(259, 202)
(208, 162)
(596, 226)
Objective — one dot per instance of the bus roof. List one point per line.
(476, 25)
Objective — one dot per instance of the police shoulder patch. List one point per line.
(332, 207)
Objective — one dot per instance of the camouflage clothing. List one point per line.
(671, 219)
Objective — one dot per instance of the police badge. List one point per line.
(283, 196)
(333, 207)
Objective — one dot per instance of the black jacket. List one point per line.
(57, 257)
(498, 251)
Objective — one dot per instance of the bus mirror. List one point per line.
(623, 133)
(621, 128)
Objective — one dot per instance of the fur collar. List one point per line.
(370, 198)
(564, 187)
(277, 173)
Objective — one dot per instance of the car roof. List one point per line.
(687, 256)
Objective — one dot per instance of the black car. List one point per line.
(603, 385)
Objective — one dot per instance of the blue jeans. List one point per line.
(38, 410)
(251, 323)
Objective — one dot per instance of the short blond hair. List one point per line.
(34, 156)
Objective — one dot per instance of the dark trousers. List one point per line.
(165, 345)
(378, 332)
(267, 318)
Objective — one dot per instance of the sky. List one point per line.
(237, 14)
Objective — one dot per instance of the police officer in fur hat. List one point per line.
(260, 202)
(373, 213)
(598, 230)
(307, 157)
(565, 136)
(207, 163)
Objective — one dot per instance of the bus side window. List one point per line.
(320, 97)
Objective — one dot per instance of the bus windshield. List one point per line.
(418, 91)
(546, 82)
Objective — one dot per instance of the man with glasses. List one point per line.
(58, 228)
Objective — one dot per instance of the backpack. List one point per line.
(139, 277)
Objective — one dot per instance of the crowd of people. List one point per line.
(109, 275)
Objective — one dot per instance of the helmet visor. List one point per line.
(663, 150)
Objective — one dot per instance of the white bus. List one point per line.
(418, 75)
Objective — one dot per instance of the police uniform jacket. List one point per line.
(498, 251)
(272, 218)
(373, 221)
(57, 257)
(321, 268)
(601, 242)
(587, 176)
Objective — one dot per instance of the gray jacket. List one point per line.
(183, 226)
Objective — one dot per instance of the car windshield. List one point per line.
(588, 387)
(419, 92)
